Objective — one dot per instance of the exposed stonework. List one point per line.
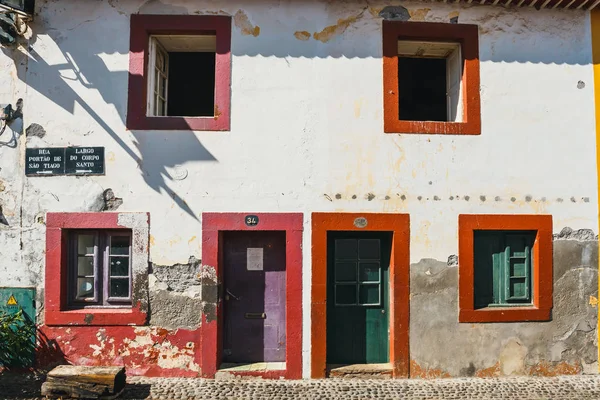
(579, 234)
(35, 130)
(111, 202)
(176, 295)
(565, 345)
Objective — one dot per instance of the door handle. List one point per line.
(231, 294)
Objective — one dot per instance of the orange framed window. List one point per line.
(431, 78)
(505, 268)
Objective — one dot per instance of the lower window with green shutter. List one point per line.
(503, 262)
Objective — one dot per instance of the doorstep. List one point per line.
(362, 371)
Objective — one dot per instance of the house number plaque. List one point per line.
(251, 220)
(360, 222)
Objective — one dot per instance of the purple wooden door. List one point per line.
(254, 296)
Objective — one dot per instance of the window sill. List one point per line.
(432, 127)
(96, 316)
(505, 314)
(217, 123)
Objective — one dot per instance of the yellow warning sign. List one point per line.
(11, 301)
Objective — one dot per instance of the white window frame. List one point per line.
(154, 75)
(451, 51)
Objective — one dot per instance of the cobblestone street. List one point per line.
(568, 387)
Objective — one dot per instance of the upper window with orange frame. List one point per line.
(431, 78)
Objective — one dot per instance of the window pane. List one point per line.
(160, 60)
(369, 294)
(518, 267)
(518, 288)
(119, 266)
(345, 272)
(160, 107)
(85, 288)
(163, 87)
(346, 248)
(85, 244)
(119, 245)
(369, 272)
(368, 249)
(119, 287)
(85, 266)
(345, 294)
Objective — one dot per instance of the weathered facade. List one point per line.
(301, 143)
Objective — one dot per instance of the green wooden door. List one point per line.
(358, 297)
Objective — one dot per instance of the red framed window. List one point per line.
(96, 269)
(99, 268)
(431, 78)
(505, 268)
(171, 56)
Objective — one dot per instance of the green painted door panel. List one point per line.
(22, 342)
(358, 297)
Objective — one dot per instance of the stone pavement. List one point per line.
(522, 388)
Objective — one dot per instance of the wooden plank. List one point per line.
(73, 390)
(79, 380)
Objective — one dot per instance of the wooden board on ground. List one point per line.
(81, 382)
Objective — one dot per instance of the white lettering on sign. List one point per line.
(84, 151)
(254, 259)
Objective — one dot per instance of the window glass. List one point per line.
(101, 267)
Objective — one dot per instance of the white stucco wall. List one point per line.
(306, 126)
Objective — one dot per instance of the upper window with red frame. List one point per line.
(180, 72)
(431, 78)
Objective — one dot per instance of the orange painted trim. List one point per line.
(399, 225)
(542, 268)
(468, 36)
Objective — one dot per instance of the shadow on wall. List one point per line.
(352, 28)
(154, 152)
(78, 54)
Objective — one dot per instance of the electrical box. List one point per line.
(11, 301)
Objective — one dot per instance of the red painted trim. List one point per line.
(467, 35)
(55, 301)
(142, 26)
(542, 269)
(147, 351)
(399, 225)
(213, 224)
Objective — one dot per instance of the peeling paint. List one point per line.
(302, 35)
(419, 14)
(339, 28)
(241, 21)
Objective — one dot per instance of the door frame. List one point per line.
(399, 225)
(213, 227)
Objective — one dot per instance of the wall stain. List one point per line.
(419, 14)
(339, 28)
(490, 372)
(416, 371)
(302, 35)
(241, 21)
(545, 368)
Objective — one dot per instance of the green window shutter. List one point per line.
(498, 277)
(517, 269)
